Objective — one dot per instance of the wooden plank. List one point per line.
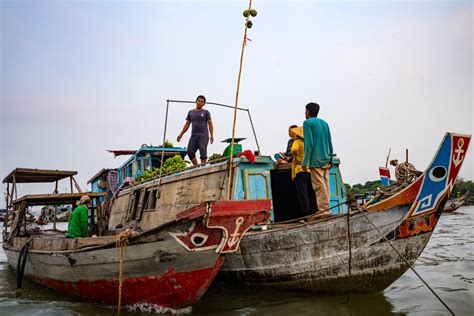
(29, 175)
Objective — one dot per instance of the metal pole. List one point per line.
(162, 149)
(212, 103)
(254, 134)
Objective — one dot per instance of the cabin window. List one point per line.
(152, 203)
(146, 201)
(134, 202)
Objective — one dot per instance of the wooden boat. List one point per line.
(453, 204)
(315, 256)
(170, 265)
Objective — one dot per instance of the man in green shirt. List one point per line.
(318, 154)
(78, 223)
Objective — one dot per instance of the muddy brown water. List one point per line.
(447, 264)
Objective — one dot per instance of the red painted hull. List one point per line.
(174, 289)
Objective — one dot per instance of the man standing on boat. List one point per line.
(200, 120)
(318, 154)
(78, 223)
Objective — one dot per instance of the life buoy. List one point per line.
(453, 205)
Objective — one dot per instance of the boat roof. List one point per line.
(28, 175)
(168, 152)
(127, 152)
(54, 199)
(99, 174)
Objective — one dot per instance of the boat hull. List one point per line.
(169, 266)
(157, 270)
(315, 256)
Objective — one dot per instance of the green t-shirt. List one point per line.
(78, 226)
(317, 143)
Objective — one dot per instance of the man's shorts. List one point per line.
(198, 141)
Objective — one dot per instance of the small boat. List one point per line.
(453, 204)
(351, 251)
(170, 265)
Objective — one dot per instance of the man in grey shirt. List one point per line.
(200, 120)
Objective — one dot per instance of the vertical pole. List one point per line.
(5, 227)
(54, 217)
(388, 156)
(56, 188)
(406, 155)
(70, 182)
(14, 187)
(236, 103)
(162, 152)
(92, 218)
(254, 134)
(100, 223)
(7, 195)
(164, 136)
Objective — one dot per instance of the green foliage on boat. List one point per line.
(173, 164)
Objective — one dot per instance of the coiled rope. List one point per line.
(406, 174)
(121, 246)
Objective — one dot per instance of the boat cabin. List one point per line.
(17, 208)
(284, 192)
(142, 159)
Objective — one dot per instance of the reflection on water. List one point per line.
(447, 264)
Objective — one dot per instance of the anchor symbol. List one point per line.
(457, 159)
(235, 236)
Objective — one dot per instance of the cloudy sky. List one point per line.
(80, 77)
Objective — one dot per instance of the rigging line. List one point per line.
(236, 103)
(406, 261)
(350, 253)
(304, 217)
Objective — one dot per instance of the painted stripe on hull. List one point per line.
(173, 289)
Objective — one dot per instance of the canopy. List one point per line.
(56, 199)
(27, 175)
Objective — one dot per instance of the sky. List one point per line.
(80, 77)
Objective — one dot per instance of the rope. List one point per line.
(121, 244)
(406, 261)
(350, 253)
(406, 174)
(303, 217)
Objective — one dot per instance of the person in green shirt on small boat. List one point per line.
(78, 224)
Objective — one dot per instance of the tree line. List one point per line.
(460, 187)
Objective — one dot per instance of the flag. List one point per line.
(384, 176)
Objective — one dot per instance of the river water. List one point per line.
(447, 265)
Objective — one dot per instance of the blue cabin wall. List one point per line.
(95, 188)
(337, 189)
(142, 158)
(253, 180)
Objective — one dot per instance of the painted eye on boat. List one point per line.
(438, 173)
(198, 239)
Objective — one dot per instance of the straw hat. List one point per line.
(298, 131)
(84, 199)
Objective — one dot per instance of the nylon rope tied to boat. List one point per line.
(121, 246)
(406, 261)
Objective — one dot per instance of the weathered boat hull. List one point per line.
(170, 266)
(157, 270)
(316, 256)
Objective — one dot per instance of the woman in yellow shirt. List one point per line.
(301, 176)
